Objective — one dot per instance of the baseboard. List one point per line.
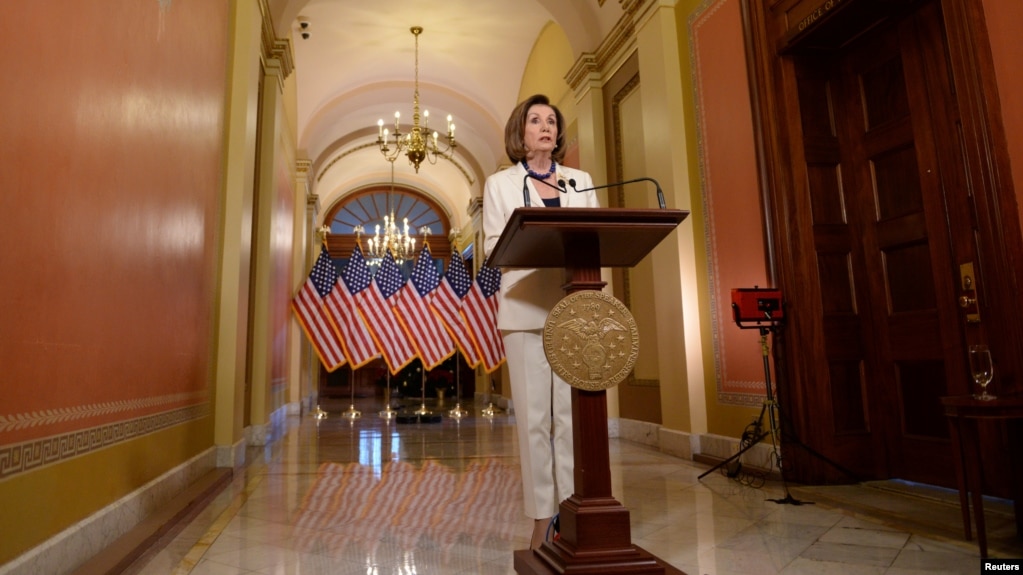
(712, 461)
(706, 448)
(76, 545)
(143, 540)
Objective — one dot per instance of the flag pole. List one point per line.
(351, 412)
(491, 410)
(387, 413)
(319, 413)
(457, 412)
(323, 231)
(422, 407)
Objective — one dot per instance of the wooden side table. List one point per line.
(964, 412)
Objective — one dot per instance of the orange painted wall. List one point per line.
(110, 177)
(728, 172)
(1004, 19)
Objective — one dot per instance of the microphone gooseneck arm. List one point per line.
(660, 194)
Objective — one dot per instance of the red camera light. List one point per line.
(757, 305)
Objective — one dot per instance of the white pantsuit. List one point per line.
(542, 400)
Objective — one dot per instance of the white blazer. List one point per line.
(527, 295)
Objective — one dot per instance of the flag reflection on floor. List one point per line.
(410, 506)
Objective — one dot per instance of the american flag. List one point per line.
(356, 339)
(480, 310)
(425, 329)
(375, 306)
(446, 301)
(308, 307)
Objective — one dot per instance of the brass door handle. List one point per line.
(968, 301)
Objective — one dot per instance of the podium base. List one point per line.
(530, 562)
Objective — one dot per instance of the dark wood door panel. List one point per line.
(875, 245)
(917, 336)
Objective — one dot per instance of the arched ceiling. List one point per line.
(358, 66)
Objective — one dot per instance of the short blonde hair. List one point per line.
(515, 129)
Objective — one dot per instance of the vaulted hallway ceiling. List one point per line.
(358, 66)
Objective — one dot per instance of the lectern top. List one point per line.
(554, 238)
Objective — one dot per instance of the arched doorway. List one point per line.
(367, 208)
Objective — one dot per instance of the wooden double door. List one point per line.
(880, 224)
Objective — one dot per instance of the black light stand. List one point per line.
(762, 308)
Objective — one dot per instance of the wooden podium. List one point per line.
(595, 530)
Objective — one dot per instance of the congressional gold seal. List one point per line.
(591, 340)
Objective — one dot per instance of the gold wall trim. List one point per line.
(613, 48)
(616, 195)
(35, 454)
(585, 66)
(273, 47)
(14, 421)
(616, 119)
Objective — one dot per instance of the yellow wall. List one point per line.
(545, 71)
(42, 503)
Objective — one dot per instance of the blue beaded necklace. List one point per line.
(539, 176)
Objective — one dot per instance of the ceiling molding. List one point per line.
(594, 67)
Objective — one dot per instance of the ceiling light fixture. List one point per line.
(392, 237)
(418, 144)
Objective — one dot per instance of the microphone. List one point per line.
(660, 194)
(525, 191)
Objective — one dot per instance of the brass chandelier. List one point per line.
(419, 143)
(391, 237)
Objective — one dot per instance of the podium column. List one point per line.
(596, 536)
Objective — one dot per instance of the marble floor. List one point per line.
(371, 496)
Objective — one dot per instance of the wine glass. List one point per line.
(981, 369)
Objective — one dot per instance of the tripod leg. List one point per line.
(777, 416)
(773, 418)
(734, 456)
(758, 427)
